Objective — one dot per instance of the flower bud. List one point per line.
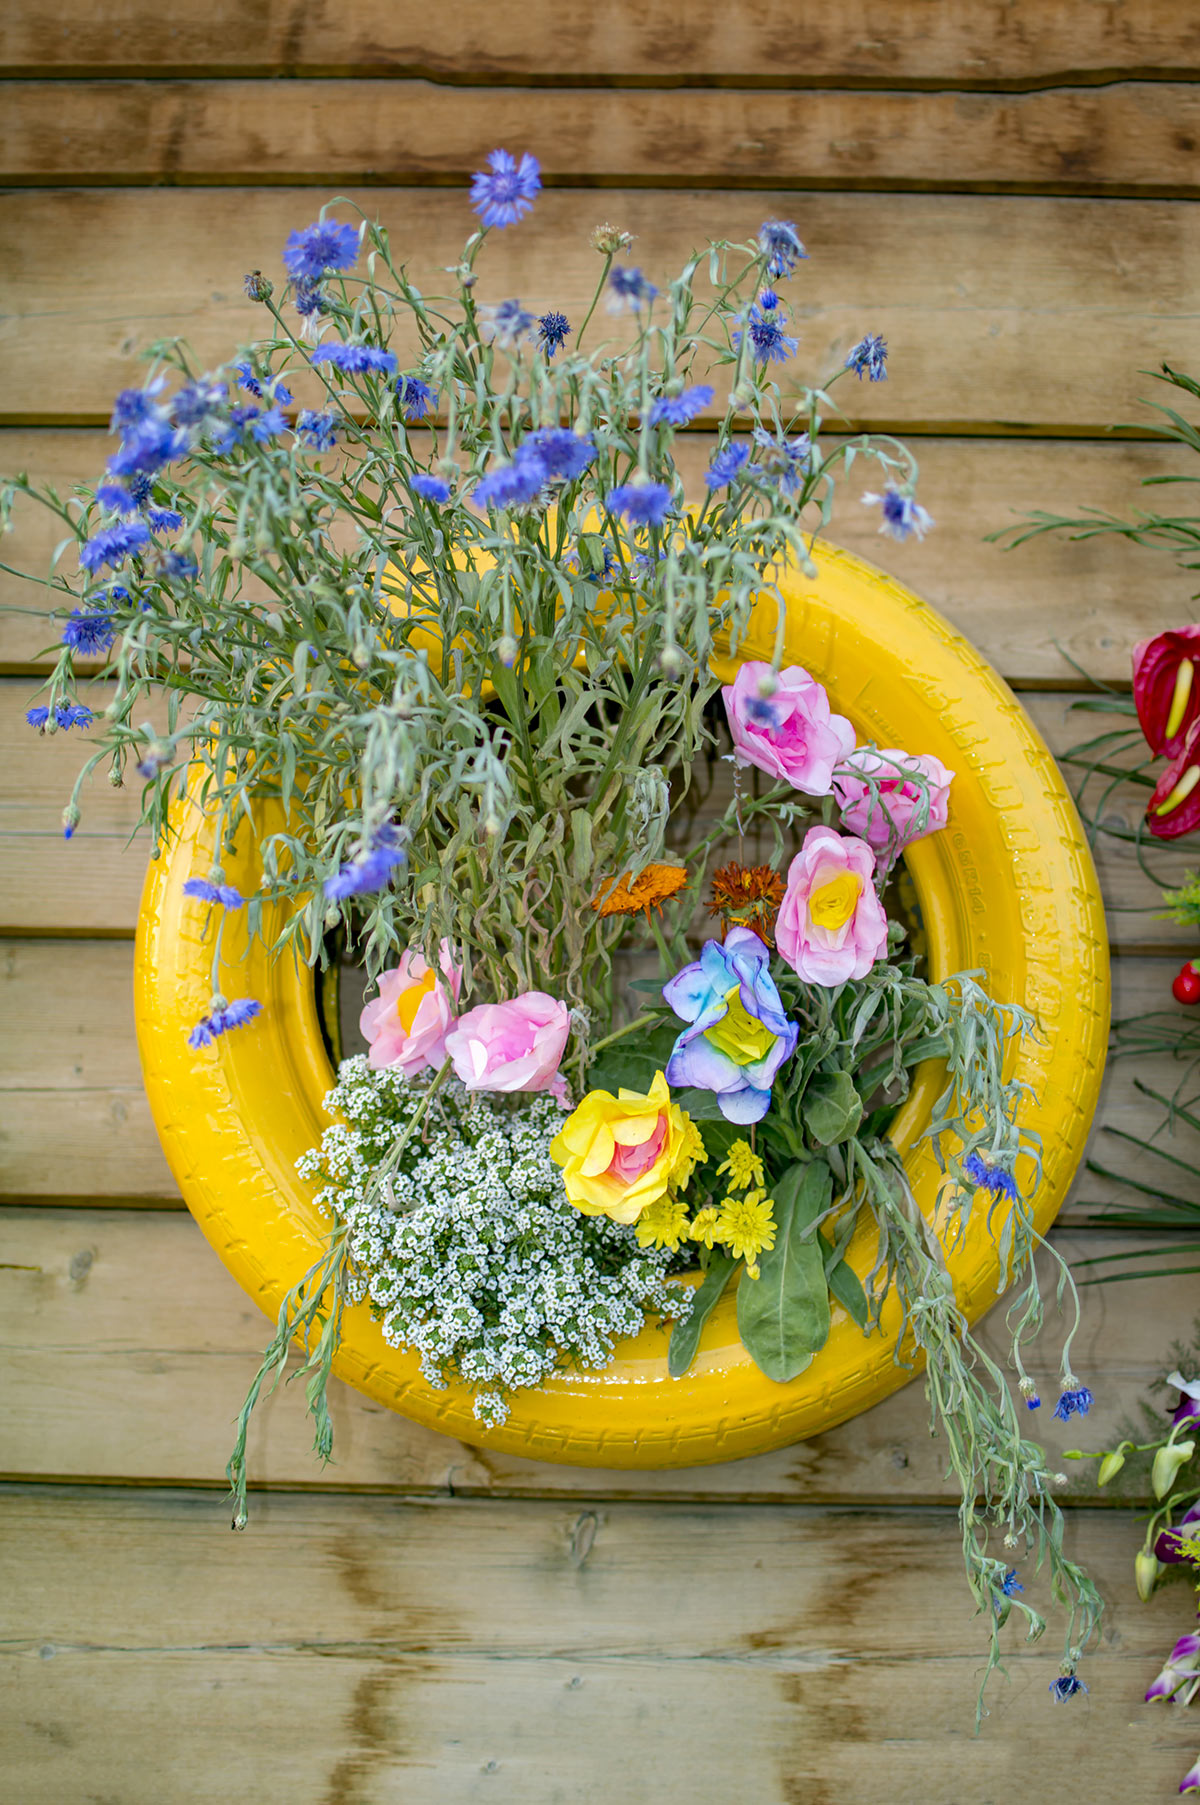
(1110, 1466)
(608, 240)
(1167, 1463)
(506, 651)
(258, 286)
(1146, 1569)
(70, 820)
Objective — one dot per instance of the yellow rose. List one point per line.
(621, 1154)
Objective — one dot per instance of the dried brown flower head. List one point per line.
(652, 888)
(608, 240)
(747, 896)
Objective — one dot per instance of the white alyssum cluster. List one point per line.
(470, 1252)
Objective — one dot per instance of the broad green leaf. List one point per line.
(847, 1289)
(783, 1315)
(832, 1108)
(631, 1064)
(685, 1336)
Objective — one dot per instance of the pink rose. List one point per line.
(408, 1021)
(790, 734)
(514, 1046)
(831, 924)
(893, 820)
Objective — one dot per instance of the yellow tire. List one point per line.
(1008, 888)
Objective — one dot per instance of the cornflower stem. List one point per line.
(643, 1021)
(608, 263)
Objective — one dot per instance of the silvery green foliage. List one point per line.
(305, 654)
(470, 1253)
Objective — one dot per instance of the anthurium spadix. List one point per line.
(1166, 688)
(1175, 804)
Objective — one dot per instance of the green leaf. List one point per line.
(702, 1106)
(847, 1289)
(631, 1064)
(783, 1315)
(832, 1108)
(685, 1336)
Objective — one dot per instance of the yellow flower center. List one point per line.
(1181, 792)
(410, 1000)
(740, 1035)
(831, 905)
(1179, 701)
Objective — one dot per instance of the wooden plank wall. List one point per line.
(1006, 190)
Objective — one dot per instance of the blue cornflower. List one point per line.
(869, 358)
(630, 289)
(681, 410)
(89, 631)
(222, 1017)
(326, 244)
(308, 299)
(164, 520)
(901, 514)
(786, 461)
(356, 360)
(317, 430)
(134, 407)
(563, 452)
(116, 498)
(1075, 1398)
(777, 239)
(1065, 1687)
(416, 397)
(66, 716)
(147, 447)
(643, 504)
(727, 466)
(372, 868)
(507, 323)
(203, 891)
(113, 544)
(281, 394)
(512, 485)
(271, 421)
(765, 323)
(248, 380)
(502, 192)
(197, 400)
(987, 1177)
(1010, 1585)
(432, 488)
(554, 329)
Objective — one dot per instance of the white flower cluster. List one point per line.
(469, 1252)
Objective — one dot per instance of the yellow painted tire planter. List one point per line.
(1008, 887)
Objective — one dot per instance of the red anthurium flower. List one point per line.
(1166, 688)
(1175, 805)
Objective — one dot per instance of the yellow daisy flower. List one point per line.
(743, 1166)
(705, 1226)
(663, 1224)
(747, 1227)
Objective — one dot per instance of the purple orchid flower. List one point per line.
(739, 1035)
(1187, 1410)
(1179, 1679)
(1166, 1546)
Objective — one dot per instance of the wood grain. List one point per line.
(129, 1348)
(363, 1651)
(993, 306)
(1126, 138)
(1029, 611)
(938, 42)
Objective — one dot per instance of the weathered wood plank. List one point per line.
(129, 1348)
(1028, 611)
(92, 884)
(1124, 138)
(353, 1650)
(995, 307)
(994, 43)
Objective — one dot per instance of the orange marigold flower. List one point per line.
(653, 887)
(748, 896)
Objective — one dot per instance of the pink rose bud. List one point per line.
(408, 1022)
(516, 1046)
(789, 732)
(902, 810)
(831, 923)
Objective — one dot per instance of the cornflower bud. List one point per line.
(608, 240)
(258, 286)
